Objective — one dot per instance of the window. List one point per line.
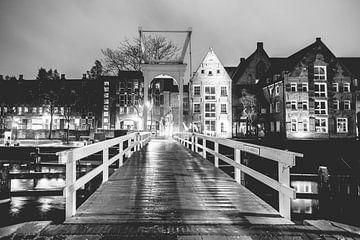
(121, 110)
(106, 95)
(277, 106)
(305, 87)
(305, 125)
(342, 125)
(272, 127)
(293, 125)
(271, 108)
(277, 126)
(106, 120)
(196, 90)
(320, 72)
(346, 87)
(106, 114)
(223, 91)
(223, 108)
(196, 108)
(305, 105)
(277, 90)
(34, 110)
(270, 91)
(209, 93)
(293, 87)
(335, 87)
(336, 104)
(320, 90)
(26, 109)
(293, 104)
(106, 101)
(210, 73)
(347, 105)
(106, 89)
(218, 71)
(210, 125)
(320, 107)
(321, 125)
(40, 110)
(222, 127)
(202, 71)
(210, 109)
(106, 83)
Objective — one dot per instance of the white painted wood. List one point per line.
(69, 157)
(192, 143)
(237, 157)
(105, 165)
(284, 200)
(216, 158)
(121, 153)
(204, 148)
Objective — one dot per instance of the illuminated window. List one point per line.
(277, 129)
(196, 90)
(335, 87)
(293, 125)
(320, 72)
(210, 125)
(223, 91)
(106, 114)
(277, 106)
(320, 107)
(209, 93)
(321, 125)
(106, 83)
(210, 109)
(223, 108)
(320, 90)
(272, 126)
(347, 105)
(305, 105)
(196, 108)
(342, 125)
(305, 87)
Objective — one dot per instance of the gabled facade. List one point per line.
(311, 96)
(210, 94)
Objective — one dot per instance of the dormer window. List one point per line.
(319, 72)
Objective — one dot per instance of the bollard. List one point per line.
(5, 183)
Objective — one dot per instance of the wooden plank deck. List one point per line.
(167, 184)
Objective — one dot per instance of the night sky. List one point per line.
(68, 35)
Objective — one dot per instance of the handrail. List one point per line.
(135, 140)
(285, 159)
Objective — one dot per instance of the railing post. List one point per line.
(204, 148)
(137, 140)
(237, 157)
(70, 192)
(196, 144)
(105, 165)
(121, 155)
(216, 149)
(284, 201)
(192, 142)
(187, 141)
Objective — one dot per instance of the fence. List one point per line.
(285, 160)
(135, 142)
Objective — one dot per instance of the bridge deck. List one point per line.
(166, 183)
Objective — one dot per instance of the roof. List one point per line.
(230, 70)
(352, 64)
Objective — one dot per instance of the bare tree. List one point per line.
(128, 55)
(249, 108)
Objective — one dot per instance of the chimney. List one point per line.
(63, 76)
(318, 39)
(1, 77)
(21, 77)
(84, 75)
(242, 60)
(260, 45)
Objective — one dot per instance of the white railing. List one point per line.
(285, 160)
(135, 142)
